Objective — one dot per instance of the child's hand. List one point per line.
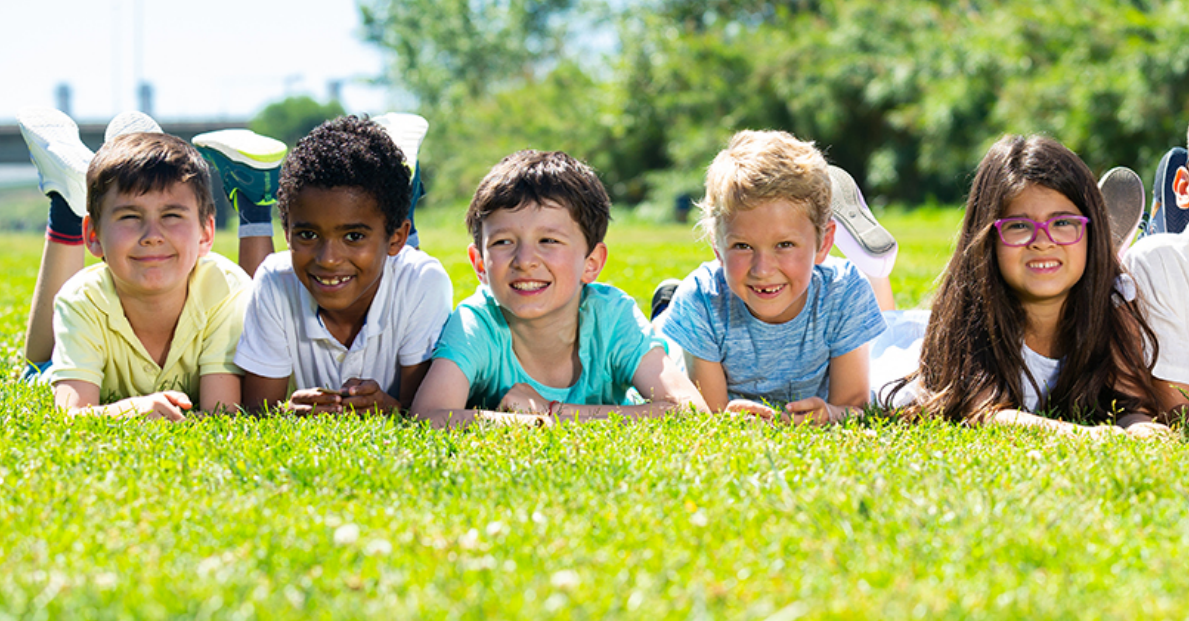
(167, 404)
(1149, 430)
(366, 395)
(813, 410)
(524, 398)
(315, 401)
(754, 408)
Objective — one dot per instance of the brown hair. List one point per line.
(535, 177)
(758, 166)
(972, 356)
(147, 162)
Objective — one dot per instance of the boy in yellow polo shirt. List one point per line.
(152, 330)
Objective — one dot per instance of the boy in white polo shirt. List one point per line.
(349, 316)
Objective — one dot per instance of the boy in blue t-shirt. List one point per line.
(539, 338)
(774, 319)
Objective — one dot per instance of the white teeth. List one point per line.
(330, 282)
(1044, 265)
(768, 289)
(534, 285)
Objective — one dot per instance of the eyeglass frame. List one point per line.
(1037, 226)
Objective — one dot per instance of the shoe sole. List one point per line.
(244, 146)
(1123, 192)
(406, 130)
(849, 210)
(131, 122)
(52, 138)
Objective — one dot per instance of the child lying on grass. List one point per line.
(773, 319)
(539, 338)
(1028, 318)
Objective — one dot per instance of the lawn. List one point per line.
(692, 517)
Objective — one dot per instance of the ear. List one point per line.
(1180, 187)
(398, 239)
(91, 237)
(594, 263)
(476, 258)
(827, 243)
(208, 236)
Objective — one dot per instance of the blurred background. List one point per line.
(905, 94)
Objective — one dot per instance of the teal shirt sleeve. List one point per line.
(469, 340)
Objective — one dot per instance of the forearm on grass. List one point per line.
(260, 391)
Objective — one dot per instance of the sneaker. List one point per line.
(248, 164)
(58, 153)
(861, 238)
(662, 295)
(1162, 191)
(130, 122)
(1173, 218)
(407, 131)
(1123, 192)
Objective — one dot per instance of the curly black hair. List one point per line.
(352, 152)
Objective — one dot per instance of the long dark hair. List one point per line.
(972, 360)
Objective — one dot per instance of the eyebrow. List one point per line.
(350, 226)
(1049, 216)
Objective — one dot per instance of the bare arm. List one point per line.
(1138, 425)
(442, 398)
(1173, 396)
(219, 390)
(710, 378)
(81, 399)
(850, 389)
(260, 390)
(410, 380)
(657, 379)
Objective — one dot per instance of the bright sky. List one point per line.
(204, 58)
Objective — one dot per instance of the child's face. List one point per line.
(1042, 272)
(535, 261)
(768, 253)
(152, 241)
(339, 247)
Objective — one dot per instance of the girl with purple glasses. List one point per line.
(1028, 327)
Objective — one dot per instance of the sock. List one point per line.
(254, 220)
(64, 226)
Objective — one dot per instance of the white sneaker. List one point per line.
(1123, 192)
(58, 153)
(243, 146)
(130, 122)
(861, 238)
(407, 131)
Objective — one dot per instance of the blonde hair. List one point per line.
(758, 166)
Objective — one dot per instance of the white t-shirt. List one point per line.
(1160, 266)
(284, 337)
(1044, 371)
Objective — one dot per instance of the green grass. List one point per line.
(691, 517)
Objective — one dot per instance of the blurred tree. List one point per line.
(449, 51)
(905, 94)
(293, 117)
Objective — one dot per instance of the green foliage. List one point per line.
(905, 94)
(292, 118)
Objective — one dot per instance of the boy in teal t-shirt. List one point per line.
(539, 338)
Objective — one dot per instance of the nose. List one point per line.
(762, 264)
(151, 234)
(328, 253)
(1044, 237)
(525, 256)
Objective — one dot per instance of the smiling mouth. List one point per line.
(529, 285)
(330, 281)
(768, 290)
(1047, 264)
